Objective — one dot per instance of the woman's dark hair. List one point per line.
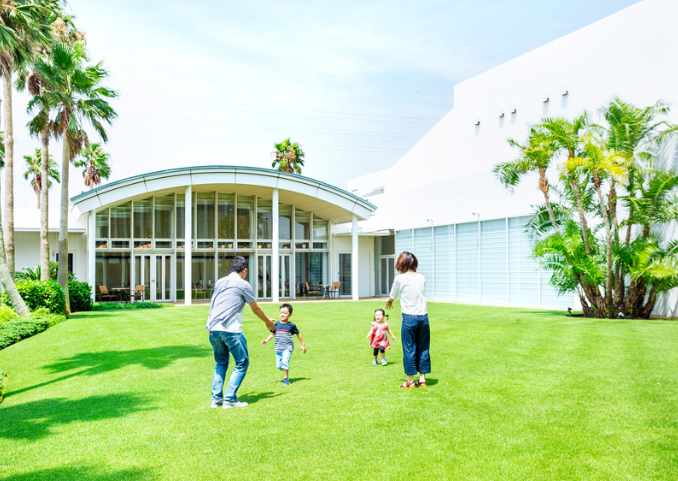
(238, 264)
(406, 262)
(382, 311)
(287, 306)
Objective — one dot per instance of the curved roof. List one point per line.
(308, 194)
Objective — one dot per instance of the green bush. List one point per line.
(6, 313)
(3, 384)
(38, 294)
(119, 306)
(80, 294)
(20, 328)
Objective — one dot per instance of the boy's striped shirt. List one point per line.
(283, 336)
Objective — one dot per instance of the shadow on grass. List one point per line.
(253, 398)
(93, 363)
(431, 382)
(82, 473)
(35, 420)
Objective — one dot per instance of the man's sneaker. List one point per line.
(383, 362)
(234, 404)
(286, 382)
(374, 363)
(215, 404)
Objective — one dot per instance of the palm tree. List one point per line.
(21, 34)
(95, 163)
(288, 156)
(536, 155)
(41, 125)
(34, 172)
(75, 93)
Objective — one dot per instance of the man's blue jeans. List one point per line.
(224, 343)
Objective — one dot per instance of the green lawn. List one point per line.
(515, 394)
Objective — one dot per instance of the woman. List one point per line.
(415, 334)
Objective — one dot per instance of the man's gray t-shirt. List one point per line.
(228, 301)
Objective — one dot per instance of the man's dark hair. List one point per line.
(238, 264)
(288, 306)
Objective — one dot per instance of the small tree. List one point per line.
(288, 157)
(95, 163)
(34, 172)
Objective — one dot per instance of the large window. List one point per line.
(121, 216)
(102, 225)
(203, 275)
(302, 229)
(143, 219)
(245, 217)
(164, 217)
(285, 222)
(310, 268)
(264, 219)
(113, 270)
(204, 215)
(226, 217)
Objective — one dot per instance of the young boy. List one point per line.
(284, 343)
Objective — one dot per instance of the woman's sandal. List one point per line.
(408, 385)
(421, 384)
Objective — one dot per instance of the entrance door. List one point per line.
(345, 274)
(155, 272)
(265, 284)
(386, 274)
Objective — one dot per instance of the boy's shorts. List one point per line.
(282, 359)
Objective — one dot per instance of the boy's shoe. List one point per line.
(374, 363)
(383, 362)
(234, 404)
(286, 382)
(215, 404)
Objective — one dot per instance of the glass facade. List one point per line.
(486, 262)
(141, 242)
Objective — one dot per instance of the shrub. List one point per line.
(20, 328)
(118, 306)
(6, 313)
(3, 385)
(80, 294)
(38, 294)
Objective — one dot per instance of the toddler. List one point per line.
(284, 343)
(378, 336)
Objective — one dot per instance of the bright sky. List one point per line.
(356, 83)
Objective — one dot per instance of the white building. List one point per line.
(440, 200)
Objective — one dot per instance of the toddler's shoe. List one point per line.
(383, 362)
(374, 363)
(286, 382)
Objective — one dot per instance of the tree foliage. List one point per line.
(602, 233)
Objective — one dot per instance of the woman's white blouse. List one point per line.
(409, 288)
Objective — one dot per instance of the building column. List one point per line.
(91, 252)
(275, 257)
(188, 234)
(354, 259)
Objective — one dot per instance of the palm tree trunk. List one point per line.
(544, 186)
(608, 239)
(9, 173)
(8, 280)
(62, 274)
(582, 216)
(44, 207)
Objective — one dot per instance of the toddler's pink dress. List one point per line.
(379, 335)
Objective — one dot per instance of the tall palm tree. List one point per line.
(34, 172)
(41, 125)
(536, 155)
(76, 94)
(22, 33)
(95, 163)
(288, 156)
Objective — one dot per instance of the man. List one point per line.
(225, 327)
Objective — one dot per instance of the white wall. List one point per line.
(448, 175)
(28, 251)
(366, 274)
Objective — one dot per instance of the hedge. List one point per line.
(37, 294)
(20, 328)
(119, 306)
(80, 294)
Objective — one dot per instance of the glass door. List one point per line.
(264, 276)
(143, 274)
(163, 278)
(386, 274)
(154, 272)
(284, 275)
(345, 274)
